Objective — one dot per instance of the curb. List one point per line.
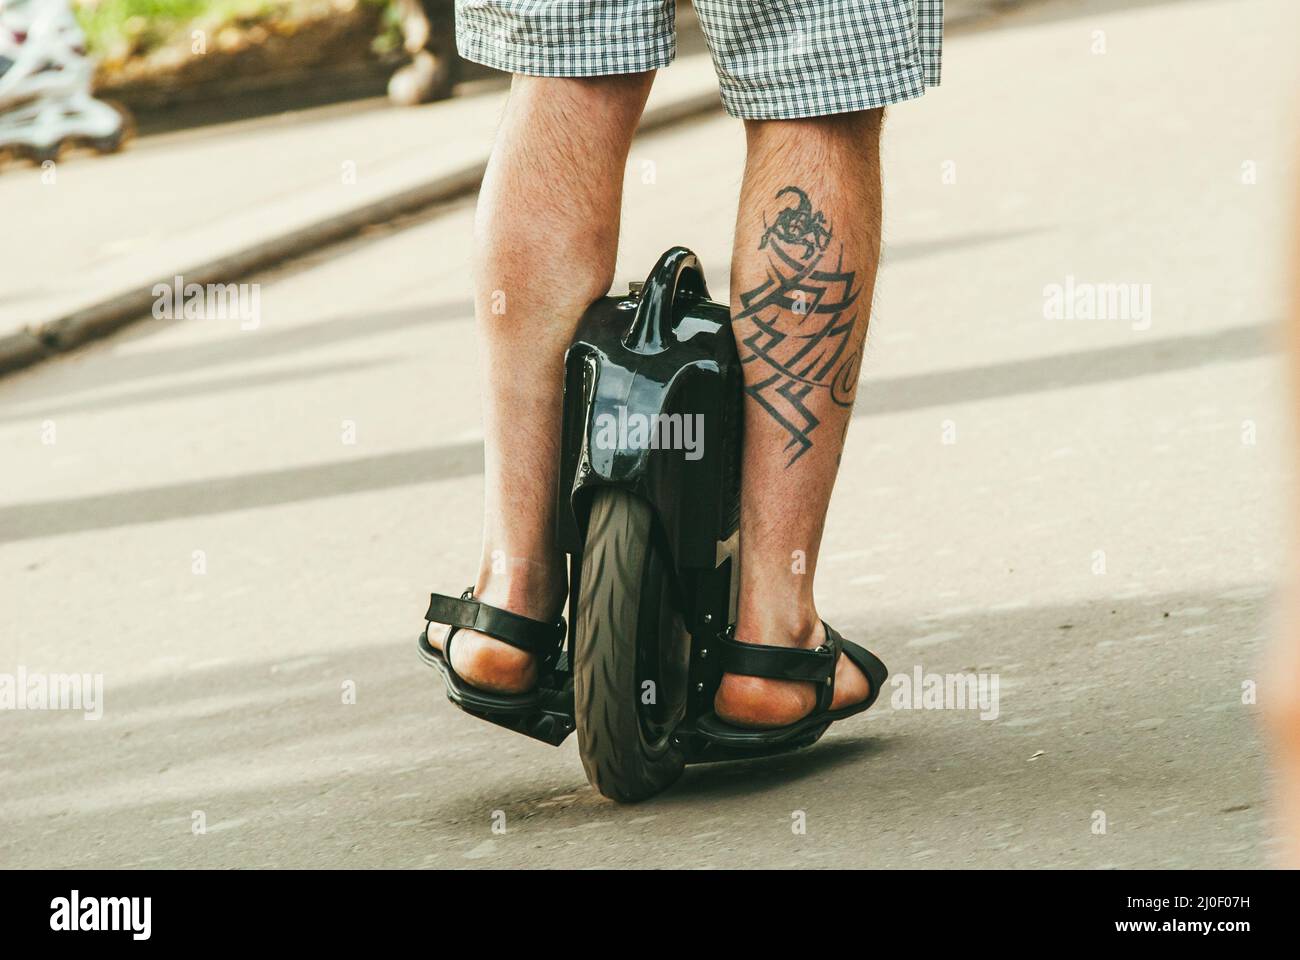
(30, 345)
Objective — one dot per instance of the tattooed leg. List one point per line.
(803, 268)
(546, 236)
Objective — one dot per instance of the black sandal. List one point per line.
(544, 712)
(793, 663)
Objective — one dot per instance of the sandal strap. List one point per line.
(466, 613)
(784, 663)
(779, 663)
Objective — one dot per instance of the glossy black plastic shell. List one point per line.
(669, 351)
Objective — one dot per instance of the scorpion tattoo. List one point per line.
(804, 323)
(798, 224)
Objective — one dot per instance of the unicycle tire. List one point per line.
(627, 619)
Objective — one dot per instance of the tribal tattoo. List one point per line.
(804, 316)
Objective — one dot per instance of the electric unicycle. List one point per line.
(648, 505)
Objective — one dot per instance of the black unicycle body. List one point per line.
(648, 508)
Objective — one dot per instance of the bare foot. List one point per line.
(762, 703)
(494, 665)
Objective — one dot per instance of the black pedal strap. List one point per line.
(779, 663)
(464, 612)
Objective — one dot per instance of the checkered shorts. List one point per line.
(776, 59)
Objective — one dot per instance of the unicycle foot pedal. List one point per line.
(551, 724)
(544, 713)
(698, 746)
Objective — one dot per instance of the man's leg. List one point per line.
(546, 238)
(803, 268)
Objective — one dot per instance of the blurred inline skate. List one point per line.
(46, 103)
(429, 36)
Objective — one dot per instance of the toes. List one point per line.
(437, 635)
(851, 684)
(755, 702)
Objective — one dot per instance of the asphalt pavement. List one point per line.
(237, 523)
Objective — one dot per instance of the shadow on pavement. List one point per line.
(23, 521)
(1059, 371)
(287, 772)
(241, 492)
(112, 369)
(253, 345)
(200, 388)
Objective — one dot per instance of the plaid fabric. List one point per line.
(776, 59)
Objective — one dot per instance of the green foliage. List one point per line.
(124, 28)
